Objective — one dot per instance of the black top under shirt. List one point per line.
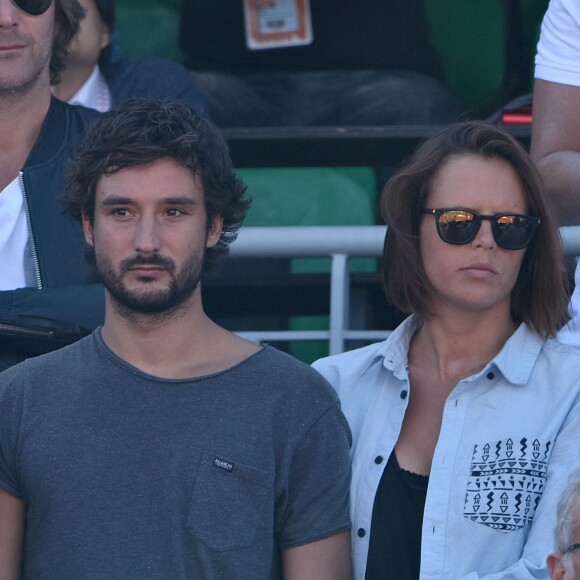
(395, 542)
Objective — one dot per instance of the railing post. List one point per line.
(340, 243)
(339, 302)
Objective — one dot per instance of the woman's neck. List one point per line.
(459, 346)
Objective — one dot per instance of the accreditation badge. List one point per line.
(277, 23)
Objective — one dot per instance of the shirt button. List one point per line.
(404, 394)
(378, 459)
(490, 376)
(361, 533)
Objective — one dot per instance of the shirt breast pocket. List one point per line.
(506, 481)
(228, 503)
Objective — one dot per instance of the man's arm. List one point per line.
(11, 536)
(327, 559)
(556, 145)
(37, 321)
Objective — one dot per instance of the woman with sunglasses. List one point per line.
(466, 420)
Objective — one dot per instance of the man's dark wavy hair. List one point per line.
(67, 18)
(141, 131)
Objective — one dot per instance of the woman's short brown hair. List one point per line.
(540, 295)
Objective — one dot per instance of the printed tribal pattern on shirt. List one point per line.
(505, 483)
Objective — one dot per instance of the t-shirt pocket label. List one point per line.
(506, 481)
(229, 499)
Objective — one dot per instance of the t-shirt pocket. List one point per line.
(228, 503)
(506, 481)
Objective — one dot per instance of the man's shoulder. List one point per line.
(63, 127)
(78, 114)
(62, 362)
(68, 120)
(276, 360)
(287, 376)
(278, 386)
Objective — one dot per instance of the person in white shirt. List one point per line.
(96, 76)
(466, 420)
(556, 128)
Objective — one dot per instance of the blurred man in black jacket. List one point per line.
(316, 62)
(49, 294)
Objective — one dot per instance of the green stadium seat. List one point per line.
(486, 47)
(470, 38)
(292, 196)
(149, 28)
(313, 196)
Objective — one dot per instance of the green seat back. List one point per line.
(149, 28)
(475, 43)
(470, 38)
(312, 196)
(319, 196)
(291, 196)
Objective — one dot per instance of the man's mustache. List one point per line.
(154, 260)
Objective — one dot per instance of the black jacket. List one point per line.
(68, 301)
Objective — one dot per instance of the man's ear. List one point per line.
(87, 228)
(215, 231)
(554, 562)
(106, 36)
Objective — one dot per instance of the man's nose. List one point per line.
(9, 14)
(146, 236)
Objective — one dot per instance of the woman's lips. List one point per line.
(480, 270)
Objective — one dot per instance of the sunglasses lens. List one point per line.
(457, 226)
(460, 226)
(513, 232)
(33, 7)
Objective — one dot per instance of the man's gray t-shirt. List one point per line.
(126, 475)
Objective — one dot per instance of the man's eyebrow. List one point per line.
(180, 201)
(117, 200)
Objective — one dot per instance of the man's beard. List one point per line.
(38, 72)
(154, 301)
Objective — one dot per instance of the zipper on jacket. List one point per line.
(22, 331)
(33, 251)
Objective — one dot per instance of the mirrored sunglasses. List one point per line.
(460, 226)
(33, 7)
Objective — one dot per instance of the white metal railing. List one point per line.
(339, 243)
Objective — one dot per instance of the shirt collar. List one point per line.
(515, 360)
(518, 356)
(94, 93)
(393, 352)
